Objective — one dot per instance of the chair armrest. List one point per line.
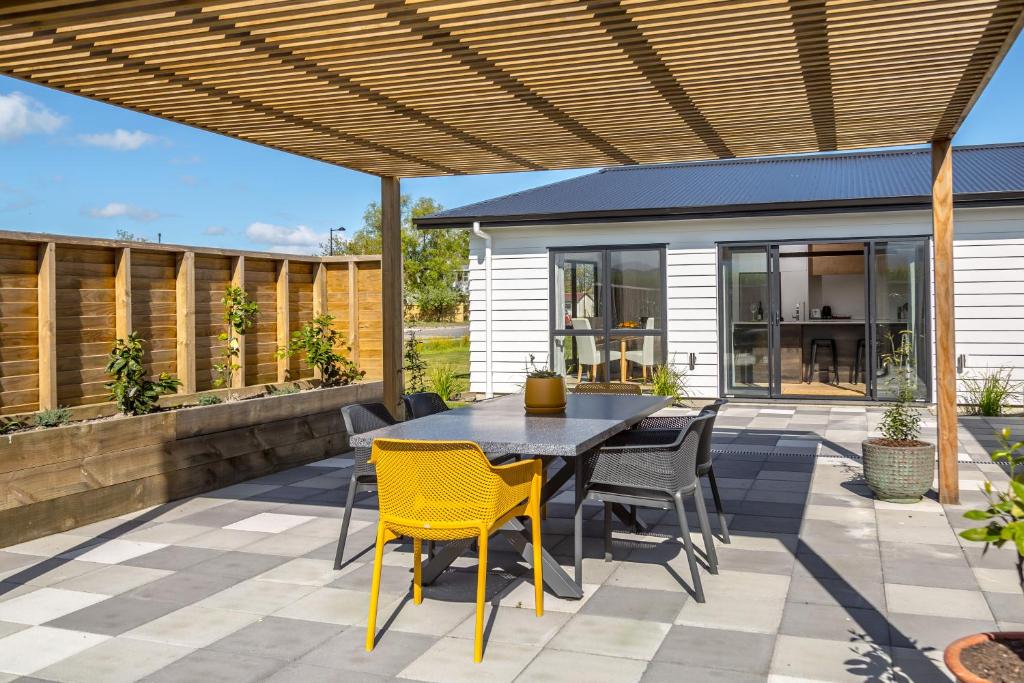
(647, 439)
(517, 482)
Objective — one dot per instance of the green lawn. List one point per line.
(452, 352)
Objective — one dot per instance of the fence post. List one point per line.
(46, 290)
(185, 311)
(238, 280)
(123, 292)
(353, 309)
(284, 362)
(319, 298)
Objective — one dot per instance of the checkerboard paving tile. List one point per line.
(820, 582)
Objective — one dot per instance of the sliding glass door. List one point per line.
(818, 319)
(608, 313)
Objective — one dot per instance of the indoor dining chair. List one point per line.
(445, 491)
(627, 388)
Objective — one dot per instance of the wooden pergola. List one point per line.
(406, 88)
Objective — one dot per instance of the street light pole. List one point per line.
(330, 239)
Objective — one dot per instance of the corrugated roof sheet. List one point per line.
(856, 180)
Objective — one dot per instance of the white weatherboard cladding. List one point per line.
(988, 262)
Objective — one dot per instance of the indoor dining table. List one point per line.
(501, 426)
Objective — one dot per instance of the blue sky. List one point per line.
(78, 167)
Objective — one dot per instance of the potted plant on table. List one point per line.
(899, 467)
(996, 657)
(545, 390)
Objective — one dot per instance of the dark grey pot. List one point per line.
(898, 474)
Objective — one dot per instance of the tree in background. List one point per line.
(433, 260)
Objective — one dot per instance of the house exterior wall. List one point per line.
(989, 274)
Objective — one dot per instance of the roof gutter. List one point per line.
(729, 211)
(488, 312)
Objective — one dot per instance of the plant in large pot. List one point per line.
(996, 657)
(899, 467)
(545, 390)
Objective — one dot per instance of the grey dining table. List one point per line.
(501, 426)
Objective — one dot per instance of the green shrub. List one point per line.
(669, 380)
(901, 422)
(8, 426)
(209, 400)
(1004, 514)
(438, 302)
(53, 417)
(989, 393)
(414, 366)
(445, 381)
(318, 340)
(240, 314)
(134, 393)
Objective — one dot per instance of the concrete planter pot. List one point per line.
(545, 395)
(954, 653)
(898, 474)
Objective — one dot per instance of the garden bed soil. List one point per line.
(999, 661)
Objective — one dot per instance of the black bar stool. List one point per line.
(859, 362)
(829, 344)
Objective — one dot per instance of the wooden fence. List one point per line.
(64, 301)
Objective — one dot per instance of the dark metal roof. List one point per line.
(808, 183)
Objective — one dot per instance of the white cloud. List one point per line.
(214, 230)
(21, 115)
(284, 239)
(122, 210)
(121, 140)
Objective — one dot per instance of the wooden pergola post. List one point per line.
(391, 292)
(945, 330)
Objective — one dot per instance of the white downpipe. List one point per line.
(488, 311)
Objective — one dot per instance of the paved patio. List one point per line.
(820, 582)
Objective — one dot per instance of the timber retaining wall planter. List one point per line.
(60, 478)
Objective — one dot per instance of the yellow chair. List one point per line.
(444, 491)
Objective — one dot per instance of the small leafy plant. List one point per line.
(1004, 515)
(445, 380)
(284, 390)
(989, 393)
(53, 417)
(134, 393)
(669, 380)
(9, 426)
(534, 372)
(318, 340)
(209, 400)
(240, 314)
(415, 367)
(901, 423)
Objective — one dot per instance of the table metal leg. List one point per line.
(443, 558)
(577, 535)
(555, 578)
(629, 518)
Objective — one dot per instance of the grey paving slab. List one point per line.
(834, 623)
(182, 588)
(173, 558)
(115, 615)
(277, 638)
(712, 648)
(238, 565)
(665, 672)
(212, 665)
(635, 603)
(393, 652)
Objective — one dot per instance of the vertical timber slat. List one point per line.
(185, 310)
(123, 292)
(282, 319)
(353, 309)
(238, 280)
(391, 292)
(47, 299)
(945, 333)
(319, 298)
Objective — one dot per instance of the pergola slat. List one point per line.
(406, 88)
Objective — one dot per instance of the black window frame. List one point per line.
(556, 309)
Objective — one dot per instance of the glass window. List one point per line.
(578, 281)
(587, 344)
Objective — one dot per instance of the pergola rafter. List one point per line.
(406, 88)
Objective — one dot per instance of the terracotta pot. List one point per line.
(955, 649)
(898, 474)
(545, 395)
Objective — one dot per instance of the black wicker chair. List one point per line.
(423, 403)
(705, 466)
(360, 418)
(655, 468)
